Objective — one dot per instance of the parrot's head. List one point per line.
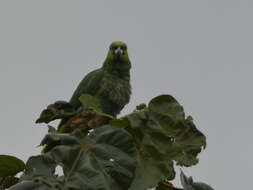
(118, 52)
(117, 58)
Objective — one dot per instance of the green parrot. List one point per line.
(110, 84)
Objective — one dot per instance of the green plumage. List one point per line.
(111, 83)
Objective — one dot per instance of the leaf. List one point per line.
(162, 135)
(150, 172)
(121, 122)
(39, 166)
(10, 165)
(134, 152)
(30, 185)
(105, 159)
(57, 110)
(153, 144)
(187, 140)
(167, 105)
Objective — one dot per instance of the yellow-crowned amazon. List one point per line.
(110, 84)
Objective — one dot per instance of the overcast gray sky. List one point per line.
(200, 51)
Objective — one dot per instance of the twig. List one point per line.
(170, 185)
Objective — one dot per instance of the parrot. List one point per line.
(188, 184)
(110, 84)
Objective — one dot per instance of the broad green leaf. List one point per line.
(134, 152)
(121, 122)
(105, 159)
(149, 172)
(54, 137)
(31, 185)
(187, 140)
(162, 135)
(153, 144)
(10, 165)
(39, 166)
(167, 105)
(57, 110)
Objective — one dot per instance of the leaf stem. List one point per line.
(170, 186)
(75, 164)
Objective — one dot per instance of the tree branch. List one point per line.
(169, 185)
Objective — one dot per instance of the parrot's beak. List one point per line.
(118, 52)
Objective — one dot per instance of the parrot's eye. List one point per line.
(113, 48)
(124, 48)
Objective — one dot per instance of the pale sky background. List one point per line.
(200, 51)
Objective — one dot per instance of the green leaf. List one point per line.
(162, 135)
(149, 172)
(10, 165)
(57, 110)
(187, 140)
(121, 122)
(153, 144)
(39, 166)
(30, 185)
(105, 159)
(134, 152)
(167, 105)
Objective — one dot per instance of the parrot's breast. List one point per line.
(116, 90)
(114, 93)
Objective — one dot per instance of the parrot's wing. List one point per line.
(89, 85)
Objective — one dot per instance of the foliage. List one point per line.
(9, 167)
(100, 152)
